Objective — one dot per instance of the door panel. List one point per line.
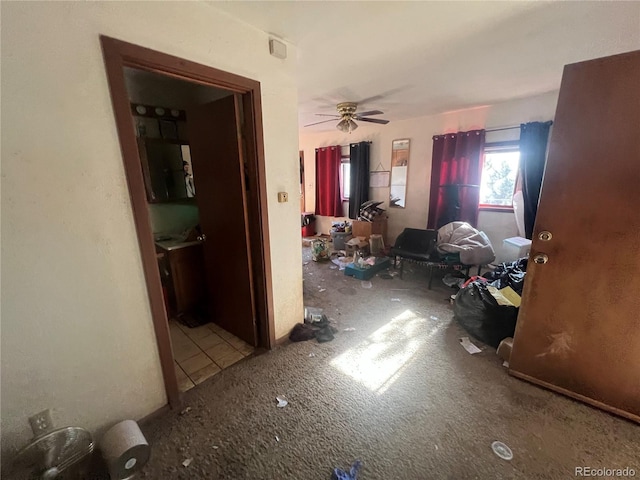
(218, 170)
(578, 329)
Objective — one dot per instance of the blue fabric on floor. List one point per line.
(352, 475)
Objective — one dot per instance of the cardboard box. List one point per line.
(355, 244)
(365, 229)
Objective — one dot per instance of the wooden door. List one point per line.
(219, 176)
(578, 329)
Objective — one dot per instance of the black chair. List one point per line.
(419, 246)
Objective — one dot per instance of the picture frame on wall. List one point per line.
(379, 179)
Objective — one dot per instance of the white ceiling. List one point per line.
(419, 58)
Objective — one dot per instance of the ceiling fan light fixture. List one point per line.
(346, 125)
(343, 125)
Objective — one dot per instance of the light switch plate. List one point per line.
(283, 197)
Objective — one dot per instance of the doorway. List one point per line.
(220, 176)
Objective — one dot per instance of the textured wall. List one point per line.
(77, 334)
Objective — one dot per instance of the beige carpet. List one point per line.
(399, 393)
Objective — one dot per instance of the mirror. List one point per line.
(167, 170)
(399, 171)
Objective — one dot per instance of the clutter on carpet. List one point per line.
(316, 326)
(472, 245)
(487, 307)
(352, 474)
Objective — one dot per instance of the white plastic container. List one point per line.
(514, 248)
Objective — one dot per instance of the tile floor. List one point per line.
(203, 351)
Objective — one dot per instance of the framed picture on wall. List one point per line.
(379, 179)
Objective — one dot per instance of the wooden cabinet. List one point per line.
(184, 277)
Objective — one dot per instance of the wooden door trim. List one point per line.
(118, 55)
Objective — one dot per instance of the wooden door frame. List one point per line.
(118, 55)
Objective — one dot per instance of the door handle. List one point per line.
(541, 258)
(201, 238)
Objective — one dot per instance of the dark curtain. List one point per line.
(328, 200)
(456, 168)
(359, 177)
(533, 152)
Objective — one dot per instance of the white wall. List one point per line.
(421, 130)
(77, 334)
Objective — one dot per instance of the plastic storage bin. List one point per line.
(515, 248)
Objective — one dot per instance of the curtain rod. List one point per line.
(347, 145)
(501, 129)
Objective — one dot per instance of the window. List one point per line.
(499, 176)
(345, 179)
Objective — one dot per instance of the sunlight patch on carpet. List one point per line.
(380, 360)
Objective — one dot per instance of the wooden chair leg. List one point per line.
(430, 275)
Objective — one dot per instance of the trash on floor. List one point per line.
(364, 269)
(277, 438)
(185, 411)
(433, 317)
(350, 329)
(311, 355)
(341, 262)
(396, 300)
(504, 349)
(366, 284)
(352, 474)
(482, 316)
(318, 327)
(319, 250)
(468, 346)
(215, 447)
(333, 267)
(505, 364)
(281, 402)
(187, 462)
(322, 290)
(312, 314)
(501, 450)
(302, 332)
(454, 279)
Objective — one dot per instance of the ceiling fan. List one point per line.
(347, 114)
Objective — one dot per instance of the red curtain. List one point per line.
(328, 200)
(456, 168)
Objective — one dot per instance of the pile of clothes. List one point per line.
(460, 238)
(318, 328)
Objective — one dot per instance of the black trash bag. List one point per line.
(479, 314)
(509, 275)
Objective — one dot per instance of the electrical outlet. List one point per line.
(41, 422)
(283, 197)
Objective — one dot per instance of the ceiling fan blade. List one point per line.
(370, 112)
(317, 123)
(373, 120)
(326, 115)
